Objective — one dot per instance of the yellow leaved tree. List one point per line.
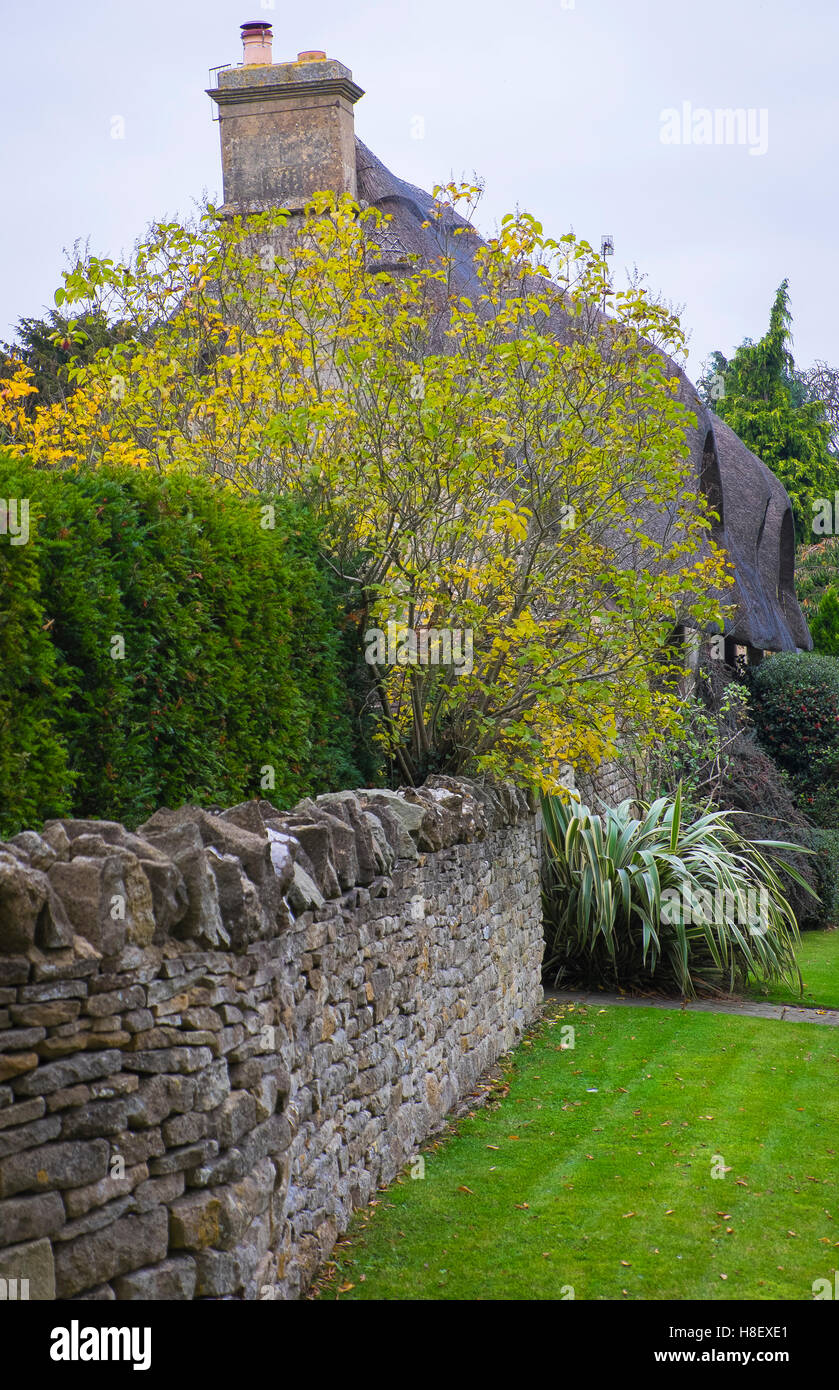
(501, 475)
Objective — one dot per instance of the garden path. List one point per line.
(786, 1013)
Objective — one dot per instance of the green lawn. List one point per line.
(818, 960)
(594, 1171)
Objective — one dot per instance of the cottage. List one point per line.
(287, 131)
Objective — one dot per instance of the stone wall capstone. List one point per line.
(219, 1034)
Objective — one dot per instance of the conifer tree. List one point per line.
(759, 395)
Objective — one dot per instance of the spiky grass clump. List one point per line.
(658, 902)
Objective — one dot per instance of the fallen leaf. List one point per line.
(464, 1188)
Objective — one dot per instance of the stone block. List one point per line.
(171, 1279)
(220, 1216)
(16, 1064)
(170, 898)
(34, 1263)
(28, 1218)
(56, 1075)
(234, 1117)
(23, 1113)
(29, 1136)
(23, 894)
(53, 1166)
(78, 1201)
(125, 1245)
(180, 839)
(89, 888)
(99, 1118)
(239, 902)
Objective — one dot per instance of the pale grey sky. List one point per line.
(556, 104)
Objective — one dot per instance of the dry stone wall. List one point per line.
(612, 782)
(219, 1034)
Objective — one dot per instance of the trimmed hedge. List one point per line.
(795, 698)
(826, 843)
(236, 651)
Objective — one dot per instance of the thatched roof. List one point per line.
(756, 516)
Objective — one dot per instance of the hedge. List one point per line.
(795, 697)
(826, 860)
(237, 655)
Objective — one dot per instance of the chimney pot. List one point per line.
(286, 128)
(257, 37)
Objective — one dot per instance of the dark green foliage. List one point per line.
(818, 789)
(765, 806)
(721, 763)
(34, 778)
(49, 346)
(234, 655)
(816, 569)
(763, 401)
(795, 699)
(824, 627)
(826, 861)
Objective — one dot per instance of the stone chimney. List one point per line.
(287, 129)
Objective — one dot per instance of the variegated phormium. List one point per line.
(656, 901)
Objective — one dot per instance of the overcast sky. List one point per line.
(556, 104)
